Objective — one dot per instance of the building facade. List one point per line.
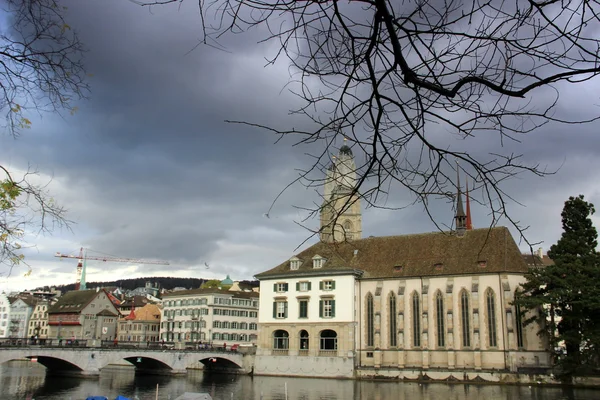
(4, 315)
(141, 325)
(212, 316)
(433, 303)
(21, 309)
(38, 323)
(83, 314)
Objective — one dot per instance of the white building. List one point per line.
(21, 309)
(436, 303)
(4, 315)
(210, 316)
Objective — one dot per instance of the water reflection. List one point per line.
(25, 381)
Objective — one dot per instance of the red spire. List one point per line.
(469, 223)
(131, 314)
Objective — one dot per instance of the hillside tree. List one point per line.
(398, 79)
(564, 298)
(41, 71)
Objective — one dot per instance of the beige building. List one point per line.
(38, 322)
(210, 316)
(141, 325)
(430, 303)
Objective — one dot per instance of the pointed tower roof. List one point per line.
(131, 315)
(460, 216)
(468, 223)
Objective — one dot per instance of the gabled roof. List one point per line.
(73, 301)
(150, 312)
(478, 251)
(106, 313)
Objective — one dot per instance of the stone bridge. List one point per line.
(90, 361)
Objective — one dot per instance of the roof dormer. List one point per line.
(295, 263)
(318, 261)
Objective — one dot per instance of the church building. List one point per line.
(436, 304)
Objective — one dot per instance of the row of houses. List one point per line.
(211, 315)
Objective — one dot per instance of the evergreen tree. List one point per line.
(564, 298)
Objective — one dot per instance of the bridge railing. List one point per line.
(74, 343)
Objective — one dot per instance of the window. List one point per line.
(302, 286)
(252, 326)
(348, 230)
(281, 340)
(328, 340)
(370, 320)
(303, 308)
(465, 319)
(439, 311)
(519, 323)
(392, 311)
(295, 263)
(303, 340)
(280, 287)
(327, 308)
(327, 285)
(416, 320)
(280, 309)
(491, 317)
(318, 261)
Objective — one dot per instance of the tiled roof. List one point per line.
(73, 301)
(234, 294)
(534, 260)
(428, 254)
(150, 312)
(135, 301)
(107, 313)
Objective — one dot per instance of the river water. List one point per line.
(29, 381)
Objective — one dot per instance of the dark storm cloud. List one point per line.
(148, 168)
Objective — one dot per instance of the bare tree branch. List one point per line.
(395, 77)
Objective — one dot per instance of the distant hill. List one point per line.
(168, 283)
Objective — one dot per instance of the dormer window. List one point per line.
(295, 263)
(318, 261)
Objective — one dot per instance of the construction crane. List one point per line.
(80, 283)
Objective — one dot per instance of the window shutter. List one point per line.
(321, 308)
(285, 309)
(333, 308)
(333, 284)
(275, 287)
(297, 286)
(321, 285)
(308, 285)
(286, 287)
(274, 309)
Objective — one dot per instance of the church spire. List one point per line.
(469, 223)
(460, 216)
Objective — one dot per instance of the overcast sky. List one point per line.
(148, 167)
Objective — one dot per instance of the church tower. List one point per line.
(341, 218)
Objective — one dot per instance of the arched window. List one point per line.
(519, 323)
(281, 340)
(328, 340)
(393, 323)
(439, 314)
(465, 319)
(370, 320)
(416, 320)
(491, 317)
(303, 340)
